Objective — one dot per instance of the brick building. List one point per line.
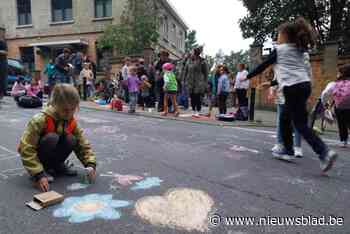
(38, 30)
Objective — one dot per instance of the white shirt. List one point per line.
(239, 84)
(125, 72)
(293, 67)
(327, 93)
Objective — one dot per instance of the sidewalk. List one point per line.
(262, 118)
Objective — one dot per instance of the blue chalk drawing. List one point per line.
(147, 183)
(89, 207)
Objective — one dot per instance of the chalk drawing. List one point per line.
(180, 208)
(123, 180)
(235, 176)
(185, 115)
(7, 156)
(106, 130)
(121, 137)
(243, 149)
(92, 120)
(12, 172)
(294, 181)
(89, 207)
(77, 186)
(7, 150)
(236, 156)
(147, 183)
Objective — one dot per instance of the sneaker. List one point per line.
(298, 152)
(284, 156)
(343, 144)
(278, 148)
(327, 163)
(66, 170)
(50, 178)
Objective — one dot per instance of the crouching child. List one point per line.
(51, 136)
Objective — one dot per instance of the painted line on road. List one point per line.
(274, 132)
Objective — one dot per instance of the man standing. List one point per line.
(76, 60)
(3, 64)
(241, 87)
(125, 72)
(163, 59)
(62, 66)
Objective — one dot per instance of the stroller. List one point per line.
(321, 112)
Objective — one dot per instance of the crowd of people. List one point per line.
(166, 85)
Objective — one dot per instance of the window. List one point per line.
(173, 32)
(181, 40)
(103, 8)
(166, 27)
(61, 10)
(24, 12)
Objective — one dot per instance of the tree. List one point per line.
(235, 58)
(191, 40)
(330, 18)
(232, 59)
(138, 28)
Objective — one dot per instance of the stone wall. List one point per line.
(323, 73)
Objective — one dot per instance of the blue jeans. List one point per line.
(297, 137)
(133, 100)
(296, 112)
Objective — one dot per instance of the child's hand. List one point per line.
(91, 173)
(43, 184)
(264, 85)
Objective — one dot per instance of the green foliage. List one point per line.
(138, 28)
(232, 59)
(191, 40)
(330, 18)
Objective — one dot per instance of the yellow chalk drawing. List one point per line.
(179, 208)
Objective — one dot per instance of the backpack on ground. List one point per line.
(29, 102)
(341, 94)
(242, 114)
(117, 104)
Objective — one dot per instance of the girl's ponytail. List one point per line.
(300, 33)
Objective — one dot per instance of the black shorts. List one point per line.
(171, 92)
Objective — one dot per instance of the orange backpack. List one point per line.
(51, 128)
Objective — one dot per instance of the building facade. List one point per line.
(37, 30)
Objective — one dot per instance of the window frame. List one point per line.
(166, 27)
(105, 6)
(63, 12)
(27, 15)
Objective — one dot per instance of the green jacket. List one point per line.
(30, 141)
(170, 81)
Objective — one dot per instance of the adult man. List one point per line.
(3, 65)
(125, 71)
(76, 60)
(62, 66)
(163, 58)
(241, 87)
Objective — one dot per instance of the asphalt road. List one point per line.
(233, 166)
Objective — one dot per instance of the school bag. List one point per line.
(117, 104)
(341, 94)
(29, 102)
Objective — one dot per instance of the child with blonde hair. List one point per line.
(51, 136)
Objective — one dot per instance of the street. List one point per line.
(232, 167)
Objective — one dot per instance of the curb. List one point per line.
(202, 122)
